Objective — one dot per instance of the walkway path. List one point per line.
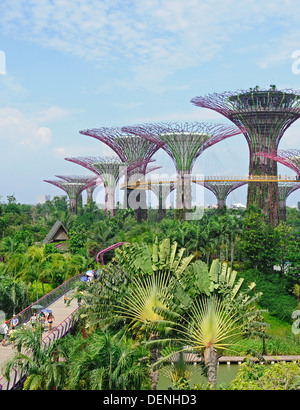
(60, 312)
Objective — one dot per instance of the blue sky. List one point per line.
(76, 64)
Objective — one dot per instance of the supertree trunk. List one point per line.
(183, 194)
(89, 198)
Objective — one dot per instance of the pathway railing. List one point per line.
(48, 299)
(57, 333)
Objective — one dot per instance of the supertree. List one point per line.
(129, 148)
(284, 191)
(287, 157)
(109, 171)
(266, 115)
(87, 179)
(162, 190)
(184, 142)
(221, 190)
(73, 189)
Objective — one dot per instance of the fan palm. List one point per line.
(210, 329)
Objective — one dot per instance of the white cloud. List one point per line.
(18, 127)
(153, 37)
(30, 129)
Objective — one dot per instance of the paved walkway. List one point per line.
(60, 313)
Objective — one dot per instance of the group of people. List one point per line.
(8, 329)
(41, 319)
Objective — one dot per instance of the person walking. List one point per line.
(14, 322)
(4, 332)
(50, 320)
(33, 321)
(43, 319)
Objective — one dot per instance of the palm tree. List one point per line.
(106, 362)
(40, 363)
(33, 265)
(134, 286)
(209, 311)
(209, 329)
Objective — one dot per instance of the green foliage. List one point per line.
(13, 296)
(260, 242)
(275, 296)
(278, 376)
(77, 237)
(105, 361)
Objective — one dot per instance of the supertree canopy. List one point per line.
(184, 142)
(73, 187)
(287, 157)
(83, 178)
(109, 170)
(266, 115)
(221, 189)
(129, 148)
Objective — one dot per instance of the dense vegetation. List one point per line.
(242, 239)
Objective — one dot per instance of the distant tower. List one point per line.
(184, 143)
(266, 115)
(73, 188)
(129, 148)
(109, 170)
(221, 189)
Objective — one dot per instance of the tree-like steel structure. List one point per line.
(162, 190)
(82, 178)
(109, 171)
(266, 115)
(221, 190)
(285, 189)
(184, 142)
(73, 188)
(129, 148)
(287, 157)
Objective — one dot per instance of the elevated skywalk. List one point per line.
(62, 323)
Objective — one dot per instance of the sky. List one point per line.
(68, 65)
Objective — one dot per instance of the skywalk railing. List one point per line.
(48, 299)
(57, 333)
(146, 184)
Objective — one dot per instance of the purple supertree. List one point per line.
(221, 190)
(266, 115)
(287, 157)
(129, 148)
(184, 142)
(73, 187)
(284, 191)
(109, 170)
(162, 190)
(83, 178)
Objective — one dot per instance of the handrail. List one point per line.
(62, 328)
(214, 178)
(47, 299)
(108, 249)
